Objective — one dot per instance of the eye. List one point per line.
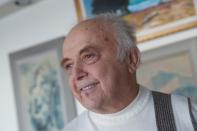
(68, 66)
(90, 57)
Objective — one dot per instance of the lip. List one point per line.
(89, 87)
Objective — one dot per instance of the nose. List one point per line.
(78, 72)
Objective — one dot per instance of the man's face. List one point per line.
(97, 79)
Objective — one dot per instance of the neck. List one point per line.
(121, 101)
(126, 114)
(128, 97)
(125, 98)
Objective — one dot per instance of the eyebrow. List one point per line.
(63, 61)
(87, 48)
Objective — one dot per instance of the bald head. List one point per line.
(102, 29)
(123, 33)
(94, 32)
(91, 24)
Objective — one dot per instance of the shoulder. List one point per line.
(180, 108)
(182, 112)
(181, 100)
(180, 105)
(194, 108)
(77, 123)
(175, 99)
(178, 101)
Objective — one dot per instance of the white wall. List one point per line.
(36, 24)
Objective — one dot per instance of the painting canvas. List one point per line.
(39, 89)
(152, 18)
(172, 73)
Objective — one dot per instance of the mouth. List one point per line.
(88, 87)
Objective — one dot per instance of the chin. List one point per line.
(92, 106)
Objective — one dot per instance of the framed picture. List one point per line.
(43, 100)
(170, 69)
(152, 18)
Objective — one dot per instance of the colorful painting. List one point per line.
(172, 74)
(150, 17)
(147, 14)
(44, 103)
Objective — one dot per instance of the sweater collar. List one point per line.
(127, 113)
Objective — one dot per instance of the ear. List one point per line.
(134, 59)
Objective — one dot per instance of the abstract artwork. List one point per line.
(171, 68)
(170, 75)
(42, 91)
(39, 88)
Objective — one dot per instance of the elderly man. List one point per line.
(100, 57)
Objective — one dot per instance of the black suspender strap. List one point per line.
(163, 112)
(191, 114)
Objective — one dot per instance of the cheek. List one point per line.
(99, 71)
(70, 83)
(73, 88)
(111, 74)
(108, 70)
(105, 73)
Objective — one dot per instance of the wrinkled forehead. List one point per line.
(91, 25)
(88, 30)
(91, 33)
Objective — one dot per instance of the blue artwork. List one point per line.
(93, 7)
(185, 84)
(88, 7)
(120, 7)
(43, 89)
(139, 5)
(170, 74)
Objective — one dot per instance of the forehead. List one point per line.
(90, 33)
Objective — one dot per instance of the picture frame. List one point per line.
(152, 18)
(43, 99)
(170, 69)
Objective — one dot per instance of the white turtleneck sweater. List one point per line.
(139, 115)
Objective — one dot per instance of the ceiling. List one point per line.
(8, 7)
(2, 2)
